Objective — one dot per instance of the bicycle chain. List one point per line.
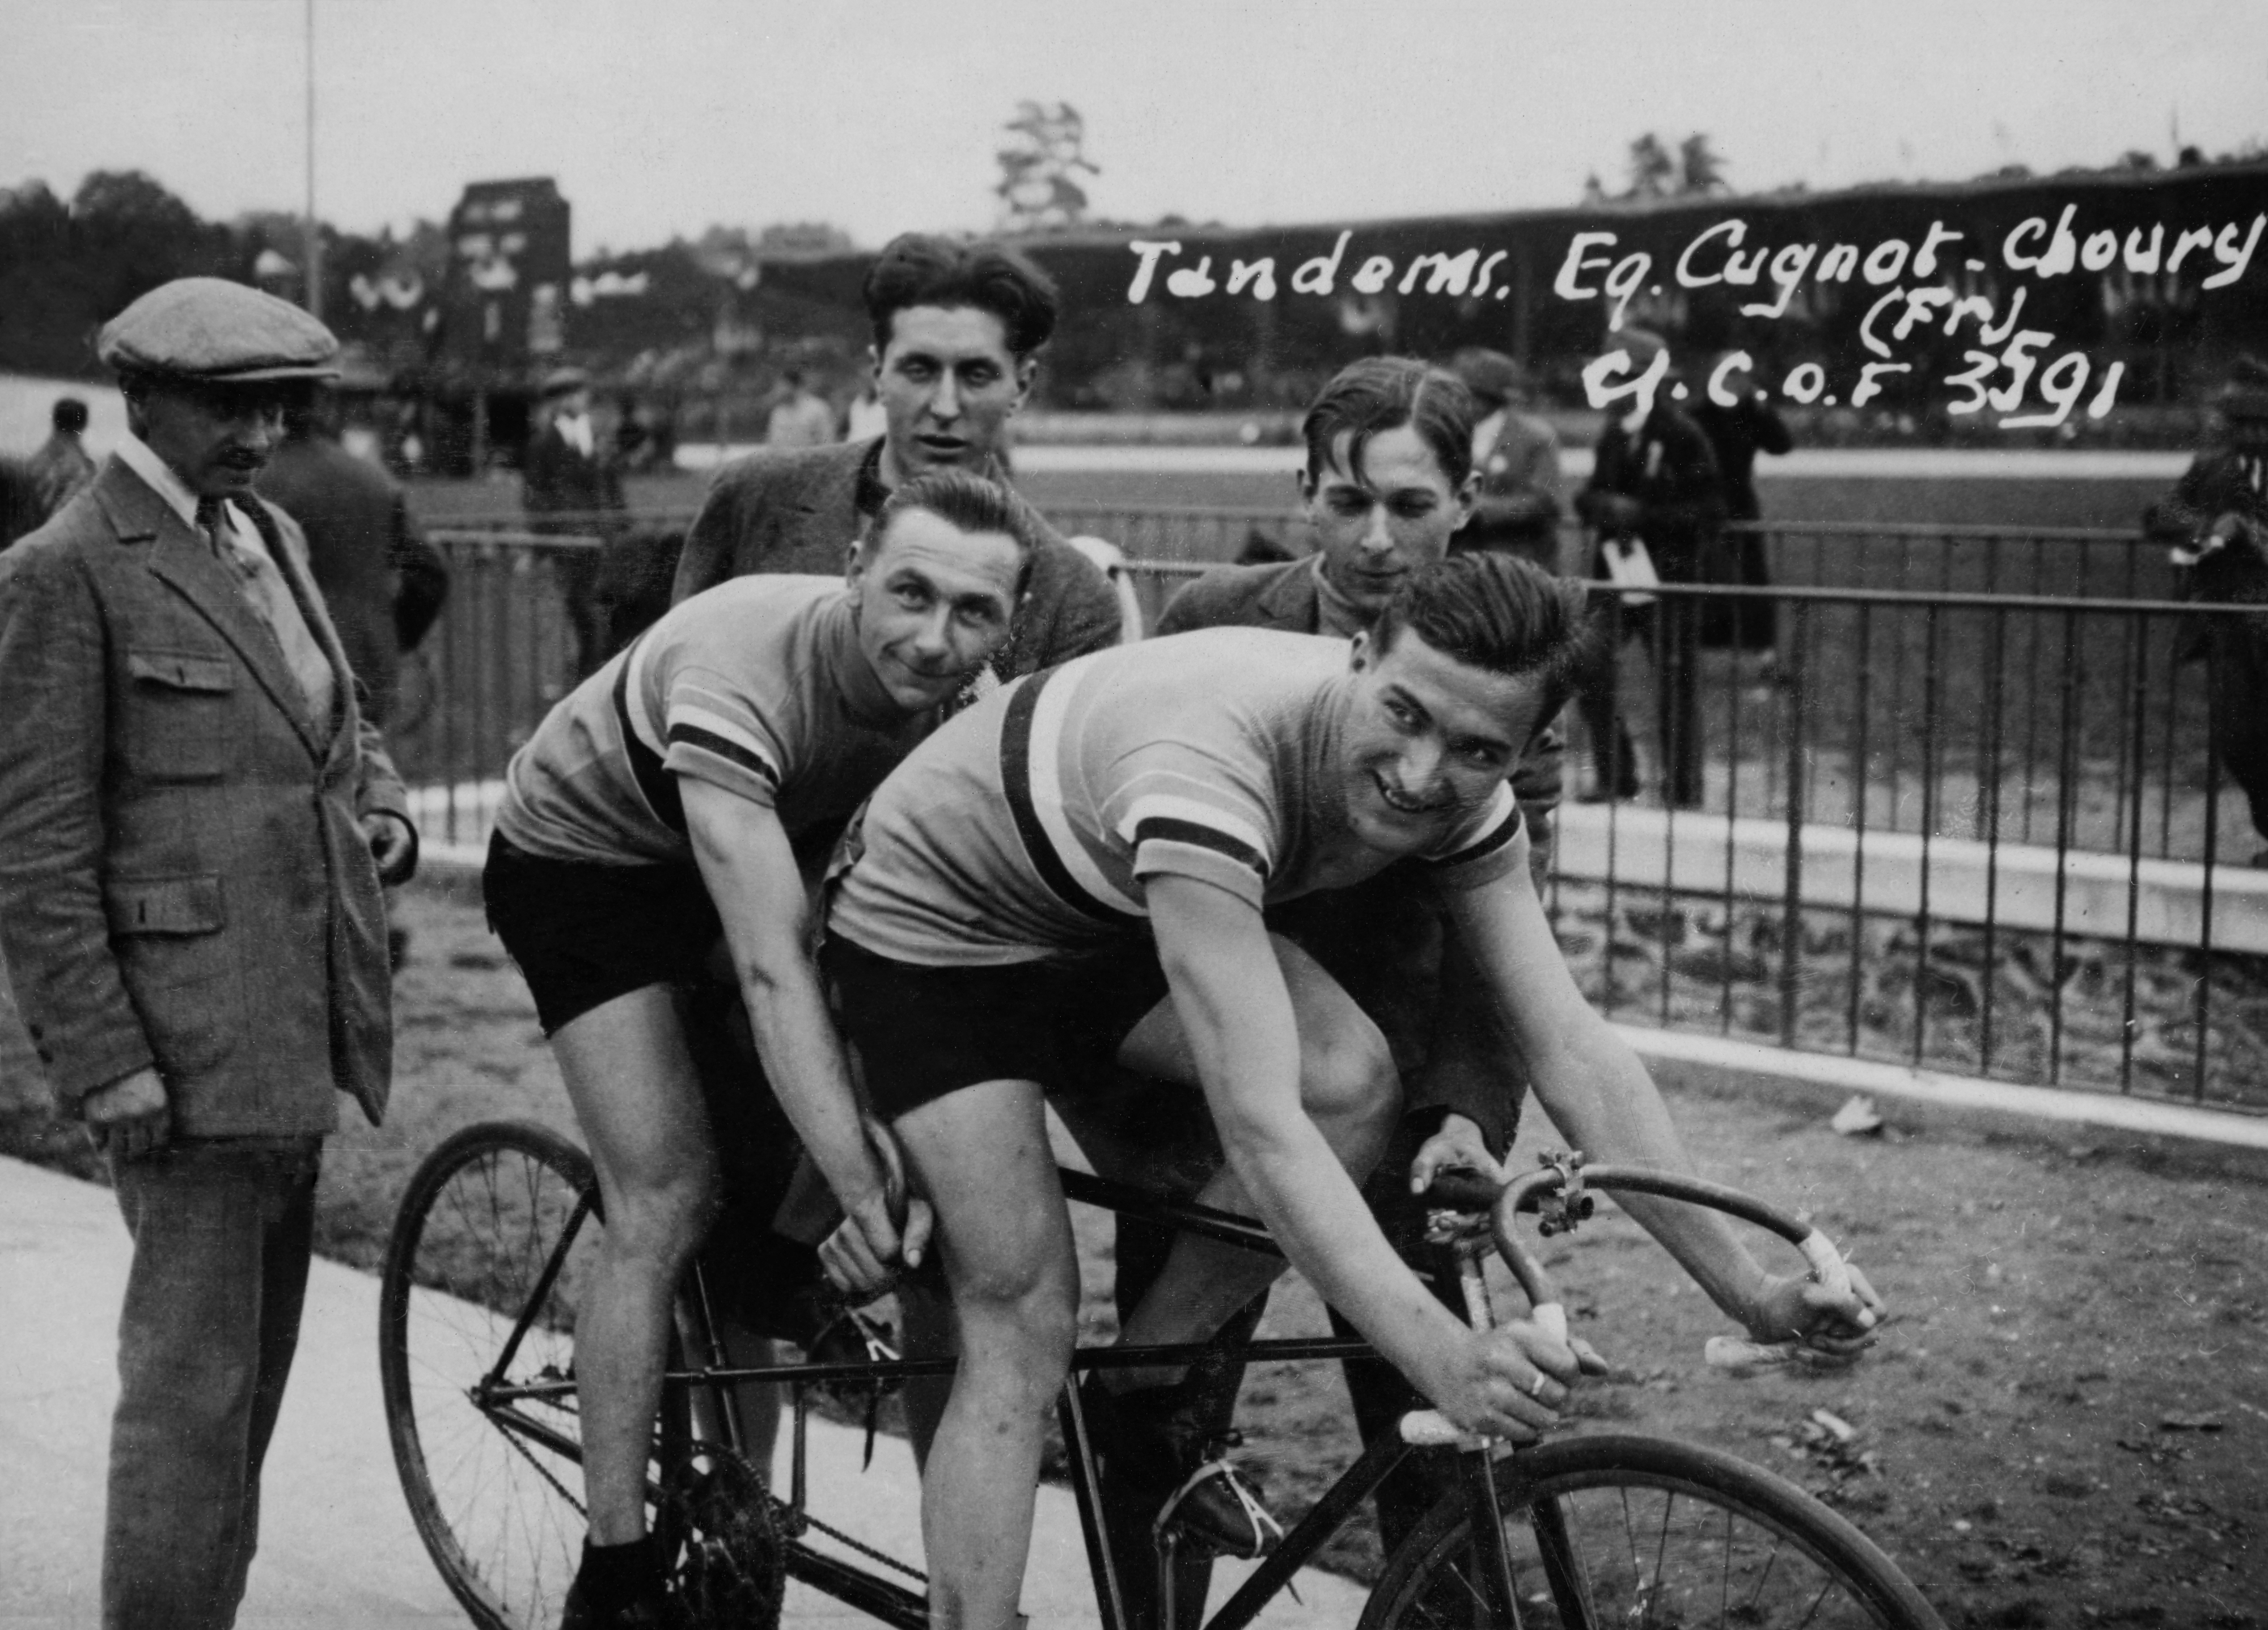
(795, 1520)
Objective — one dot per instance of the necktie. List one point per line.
(258, 578)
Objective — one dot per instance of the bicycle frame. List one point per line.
(1558, 1189)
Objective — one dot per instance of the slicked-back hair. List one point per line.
(1497, 613)
(970, 502)
(1385, 392)
(919, 268)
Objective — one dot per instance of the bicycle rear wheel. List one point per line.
(1629, 1530)
(484, 1272)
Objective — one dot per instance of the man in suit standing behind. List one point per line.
(958, 330)
(381, 581)
(195, 820)
(566, 485)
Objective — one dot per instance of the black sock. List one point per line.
(614, 1577)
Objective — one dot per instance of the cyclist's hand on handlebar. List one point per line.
(1508, 1382)
(868, 1253)
(1832, 1330)
(1457, 1147)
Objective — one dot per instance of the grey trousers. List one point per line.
(222, 1231)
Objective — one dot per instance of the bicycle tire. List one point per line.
(494, 1487)
(1658, 1532)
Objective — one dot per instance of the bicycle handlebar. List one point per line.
(1473, 1193)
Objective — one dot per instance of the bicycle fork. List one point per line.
(1475, 1463)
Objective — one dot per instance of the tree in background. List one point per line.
(1047, 149)
(1653, 172)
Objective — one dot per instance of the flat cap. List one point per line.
(559, 381)
(217, 332)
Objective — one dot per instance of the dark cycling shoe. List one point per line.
(619, 1589)
(1160, 1461)
(644, 1612)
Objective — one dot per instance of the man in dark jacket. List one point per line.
(1654, 480)
(195, 820)
(1740, 422)
(2216, 523)
(569, 487)
(382, 581)
(958, 331)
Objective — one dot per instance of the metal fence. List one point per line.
(1974, 833)
(1978, 833)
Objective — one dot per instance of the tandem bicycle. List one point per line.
(1578, 1533)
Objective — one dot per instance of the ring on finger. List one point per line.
(1535, 1385)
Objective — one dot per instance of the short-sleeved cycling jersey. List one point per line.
(756, 686)
(1028, 827)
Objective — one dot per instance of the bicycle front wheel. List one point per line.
(1631, 1530)
(484, 1273)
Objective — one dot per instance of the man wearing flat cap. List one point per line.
(196, 819)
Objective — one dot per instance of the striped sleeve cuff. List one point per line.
(703, 755)
(1183, 848)
(1494, 846)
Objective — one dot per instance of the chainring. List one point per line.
(731, 1573)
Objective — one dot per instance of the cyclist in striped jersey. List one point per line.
(660, 804)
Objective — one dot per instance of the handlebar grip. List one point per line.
(1430, 1428)
(1458, 1189)
(1733, 1352)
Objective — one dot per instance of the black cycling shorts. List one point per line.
(584, 933)
(922, 1032)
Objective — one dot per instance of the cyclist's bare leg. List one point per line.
(982, 1156)
(1347, 1085)
(632, 1084)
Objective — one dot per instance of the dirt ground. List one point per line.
(2066, 1423)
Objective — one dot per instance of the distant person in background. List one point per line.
(61, 465)
(801, 418)
(1516, 454)
(1653, 483)
(866, 418)
(632, 450)
(2216, 521)
(383, 582)
(1737, 433)
(570, 489)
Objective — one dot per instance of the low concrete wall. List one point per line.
(1651, 847)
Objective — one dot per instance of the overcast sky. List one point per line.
(661, 116)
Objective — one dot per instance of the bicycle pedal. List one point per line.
(1216, 1509)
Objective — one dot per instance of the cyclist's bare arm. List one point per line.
(1601, 1100)
(1237, 1013)
(750, 870)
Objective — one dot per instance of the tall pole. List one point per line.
(313, 254)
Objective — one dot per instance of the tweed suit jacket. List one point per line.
(184, 882)
(797, 511)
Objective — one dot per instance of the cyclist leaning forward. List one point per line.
(660, 801)
(1072, 871)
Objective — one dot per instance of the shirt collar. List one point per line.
(142, 459)
(1335, 614)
